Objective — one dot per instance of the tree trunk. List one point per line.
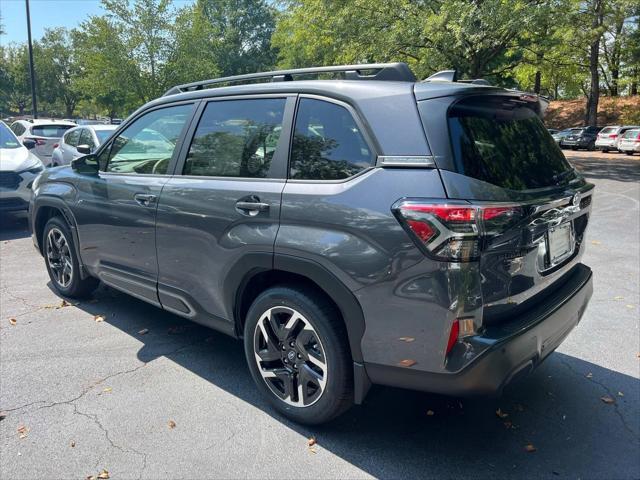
(537, 85)
(591, 117)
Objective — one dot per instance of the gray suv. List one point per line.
(370, 229)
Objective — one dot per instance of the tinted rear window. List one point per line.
(503, 142)
(51, 131)
(608, 130)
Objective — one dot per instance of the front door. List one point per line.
(116, 211)
(222, 205)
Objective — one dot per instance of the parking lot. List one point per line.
(115, 384)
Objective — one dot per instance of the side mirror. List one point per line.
(84, 149)
(87, 165)
(29, 143)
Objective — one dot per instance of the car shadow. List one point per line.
(558, 413)
(620, 169)
(13, 225)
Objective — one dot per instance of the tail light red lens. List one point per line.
(454, 231)
(453, 335)
(55, 145)
(613, 135)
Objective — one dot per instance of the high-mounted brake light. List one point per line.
(453, 231)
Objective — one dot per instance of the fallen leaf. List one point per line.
(406, 339)
(607, 399)
(23, 431)
(107, 390)
(13, 321)
(501, 414)
(99, 318)
(73, 444)
(90, 477)
(430, 413)
(589, 375)
(311, 442)
(64, 303)
(407, 363)
(595, 242)
(618, 297)
(103, 475)
(628, 305)
(172, 424)
(530, 448)
(312, 450)
(144, 331)
(620, 394)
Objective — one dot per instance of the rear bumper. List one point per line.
(606, 143)
(635, 147)
(516, 347)
(575, 143)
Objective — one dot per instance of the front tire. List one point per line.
(297, 351)
(62, 261)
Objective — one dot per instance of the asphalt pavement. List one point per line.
(118, 385)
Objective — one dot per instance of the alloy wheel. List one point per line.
(290, 356)
(59, 257)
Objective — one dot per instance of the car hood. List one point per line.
(17, 159)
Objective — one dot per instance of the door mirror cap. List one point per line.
(84, 149)
(87, 164)
(29, 143)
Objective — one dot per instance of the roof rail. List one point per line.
(383, 71)
(452, 76)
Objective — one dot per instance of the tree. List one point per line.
(15, 88)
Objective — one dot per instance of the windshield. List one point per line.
(103, 135)
(503, 142)
(51, 131)
(7, 138)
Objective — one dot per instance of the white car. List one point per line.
(630, 142)
(609, 137)
(46, 134)
(18, 169)
(79, 141)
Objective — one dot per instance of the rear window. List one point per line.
(51, 131)
(609, 130)
(503, 142)
(631, 134)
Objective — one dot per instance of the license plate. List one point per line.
(561, 243)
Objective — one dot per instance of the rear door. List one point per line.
(222, 206)
(68, 145)
(116, 210)
(494, 152)
(46, 136)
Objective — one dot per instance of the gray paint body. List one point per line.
(192, 250)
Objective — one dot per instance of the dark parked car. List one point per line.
(584, 137)
(367, 230)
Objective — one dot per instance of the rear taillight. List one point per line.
(453, 335)
(38, 141)
(55, 145)
(454, 231)
(613, 135)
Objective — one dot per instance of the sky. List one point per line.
(46, 14)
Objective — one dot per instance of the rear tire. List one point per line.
(297, 351)
(605, 150)
(62, 262)
(629, 153)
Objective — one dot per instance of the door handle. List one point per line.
(252, 207)
(144, 199)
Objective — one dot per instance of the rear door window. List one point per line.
(236, 138)
(327, 143)
(72, 138)
(50, 131)
(86, 138)
(503, 142)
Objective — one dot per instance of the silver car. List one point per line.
(79, 141)
(630, 141)
(610, 136)
(18, 169)
(45, 133)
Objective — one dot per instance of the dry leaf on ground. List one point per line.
(172, 424)
(607, 399)
(107, 390)
(73, 444)
(530, 448)
(13, 321)
(618, 297)
(595, 242)
(23, 431)
(311, 442)
(501, 414)
(103, 475)
(99, 318)
(143, 331)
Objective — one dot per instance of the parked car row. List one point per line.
(621, 138)
(57, 142)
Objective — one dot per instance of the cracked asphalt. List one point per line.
(100, 395)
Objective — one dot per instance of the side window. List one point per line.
(86, 138)
(327, 143)
(147, 145)
(72, 138)
(236, 138)
(18, 129)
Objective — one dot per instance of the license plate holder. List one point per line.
(560, 243)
